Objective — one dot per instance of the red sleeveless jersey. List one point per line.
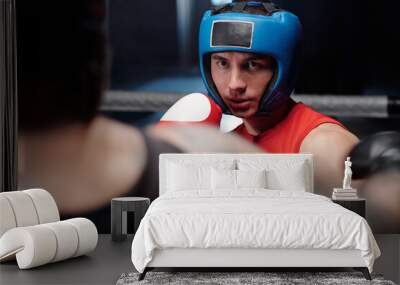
(288, 134)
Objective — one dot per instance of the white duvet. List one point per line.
(250, 219)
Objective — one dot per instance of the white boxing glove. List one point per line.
(193, 108)
(197, 108)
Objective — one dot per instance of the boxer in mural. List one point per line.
(248, 55)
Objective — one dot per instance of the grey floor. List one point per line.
(389, 262)
(110, 260)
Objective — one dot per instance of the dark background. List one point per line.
(350, 47)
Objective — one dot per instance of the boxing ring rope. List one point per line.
(377, 106)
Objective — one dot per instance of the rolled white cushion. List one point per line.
(87, 234)
(26, 208)
(23, 208)
(46, 207)
(7, 218)
(67, 240)
(33, 246)
(41, 244)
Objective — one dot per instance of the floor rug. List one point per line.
(269, 278)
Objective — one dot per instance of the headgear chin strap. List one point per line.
(276, 34)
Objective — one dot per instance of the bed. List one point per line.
(246, 211)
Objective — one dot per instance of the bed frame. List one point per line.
(250, 258)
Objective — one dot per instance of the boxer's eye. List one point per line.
(222, 63)
(253, 65)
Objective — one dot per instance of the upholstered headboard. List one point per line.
(273, 160)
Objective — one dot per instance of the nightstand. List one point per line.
(119, 208)
(356, 205)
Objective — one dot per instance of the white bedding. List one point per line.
(252, 218)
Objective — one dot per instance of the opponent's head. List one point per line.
(62, 62)
(247, 36)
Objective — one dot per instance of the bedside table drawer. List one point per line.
(357, 206)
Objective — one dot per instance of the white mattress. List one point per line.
(251, 218)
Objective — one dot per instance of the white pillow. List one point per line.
(181, 177)
(293, 180)
(223, 179)
(251, 178)
(227, 179)
(187, 174)
(288, 174)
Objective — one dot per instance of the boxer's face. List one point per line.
(241, 79)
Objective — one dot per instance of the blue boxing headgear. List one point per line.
(276, 34)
